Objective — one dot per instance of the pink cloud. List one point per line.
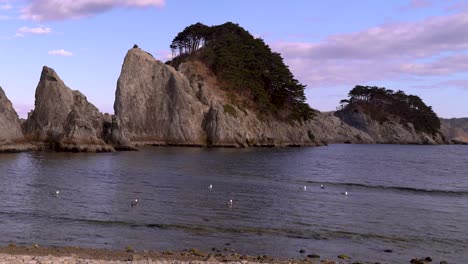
(47, 10)
(443, 66)
(420, 39)
(399, 51)
(463, 84)
(416, 4)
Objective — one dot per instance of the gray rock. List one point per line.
(155, 105)
(328, 128)
(455, 130)
(388, 132)
(11, 136)
(64, 119)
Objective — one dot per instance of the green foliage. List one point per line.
(381, 103)
(229, 109)
(246, 66)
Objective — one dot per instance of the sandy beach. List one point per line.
(74, 255)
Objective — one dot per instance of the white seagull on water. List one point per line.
(210, 187)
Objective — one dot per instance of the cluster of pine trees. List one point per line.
(246, 66)
(381, 103)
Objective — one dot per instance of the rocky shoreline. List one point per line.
(70, 255)
(156, 104)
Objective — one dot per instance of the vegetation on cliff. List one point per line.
(246, 68)
(384, 104)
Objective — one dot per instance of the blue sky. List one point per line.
(419, 46)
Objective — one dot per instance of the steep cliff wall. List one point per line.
(155, 104)
(158, 105)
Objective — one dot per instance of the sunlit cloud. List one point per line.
(60, 52)
(48, 10)
(40, 30)
(431, 47)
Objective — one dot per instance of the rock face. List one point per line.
(63, 119)
(389, 132)
(157, 105)
(11, 136)
(331, 129)
(455, 130)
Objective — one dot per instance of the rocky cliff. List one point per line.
(329, 128)
(390, 131)
(158, 105)
(63, 119)
(11, 137)
(455, 130)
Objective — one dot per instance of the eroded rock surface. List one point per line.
(389, 132)
(157, 105)
(455, 130)
(63, 119)
(11, 136)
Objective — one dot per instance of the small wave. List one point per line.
(394, 188)
(319, 234)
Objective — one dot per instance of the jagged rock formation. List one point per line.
(11, 137)
(157, 105)
(63, 119)
(455, 130)
(388, 132)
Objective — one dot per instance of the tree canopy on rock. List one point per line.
(381, 104)
(245, 66)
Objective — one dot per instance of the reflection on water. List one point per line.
(410, 199)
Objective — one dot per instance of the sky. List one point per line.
(418, 46)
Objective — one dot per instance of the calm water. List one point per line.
(409, 199)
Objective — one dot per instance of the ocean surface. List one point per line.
(412, 200)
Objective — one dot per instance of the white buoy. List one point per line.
(134, 202)
(304, 188)
(321, 186)
(210, 187)
(345, 193)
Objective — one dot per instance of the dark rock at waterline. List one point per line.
(302, 251)
(343, 256)
(421, 261)
(313, 256)
(388, 251)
